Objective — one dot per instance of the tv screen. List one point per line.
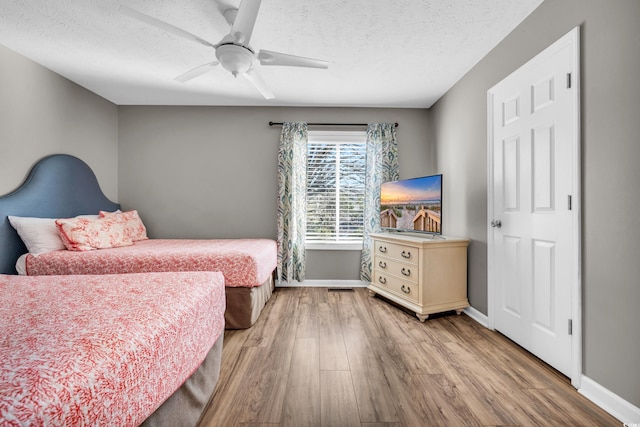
(412, 205)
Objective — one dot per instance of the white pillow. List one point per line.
(40, 235)
(21, 265)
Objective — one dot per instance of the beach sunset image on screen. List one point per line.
(412, 204)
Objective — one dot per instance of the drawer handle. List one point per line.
(382, 280)
(405, 272)
(406, 254)
(406, 290)
(382, 264)
(382, 249)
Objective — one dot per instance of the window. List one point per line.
(335, 189)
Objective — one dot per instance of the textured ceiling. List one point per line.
(381, 53)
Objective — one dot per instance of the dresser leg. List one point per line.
(458, 312)
(371, 293)
(422, 317)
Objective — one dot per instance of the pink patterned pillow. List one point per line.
(133, 226)
(85, 234)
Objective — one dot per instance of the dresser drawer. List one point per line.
(400, 252)
(402, 288)
(402, 270)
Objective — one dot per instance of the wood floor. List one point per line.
(337, 358)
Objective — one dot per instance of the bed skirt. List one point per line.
(186, 406)
(245, 304)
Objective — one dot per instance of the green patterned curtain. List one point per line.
(382, 166)
(292, 206)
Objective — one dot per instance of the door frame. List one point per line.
(572, 38)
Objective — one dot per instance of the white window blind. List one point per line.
(335, 187)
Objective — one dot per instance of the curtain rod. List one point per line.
(328, 124)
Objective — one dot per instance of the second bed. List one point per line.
(63, 186)
(246, 264)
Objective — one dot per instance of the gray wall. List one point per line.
(202, 172)
(42, 113)
(610, 50)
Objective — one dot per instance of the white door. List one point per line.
(534, 204)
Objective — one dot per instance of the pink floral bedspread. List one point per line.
(243, 262)
(102, 350)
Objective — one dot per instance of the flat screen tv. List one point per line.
(412, 205)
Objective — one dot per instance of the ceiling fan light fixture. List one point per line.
(233, 52)
(234, 58)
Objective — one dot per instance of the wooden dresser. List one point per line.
(424, 274)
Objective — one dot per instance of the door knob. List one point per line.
(496, 223)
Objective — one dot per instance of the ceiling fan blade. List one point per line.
(255, 79)
(195, 72)
(268, 57)
(132, 13)
(245, 20)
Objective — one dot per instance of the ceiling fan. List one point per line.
(233, 52)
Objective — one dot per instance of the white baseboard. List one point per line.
(324, 284)
(477, 316)
(624, 411)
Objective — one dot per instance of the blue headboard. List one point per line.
(58, 186)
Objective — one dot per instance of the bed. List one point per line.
(63, 186)
(247, 266)
(123, 350)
